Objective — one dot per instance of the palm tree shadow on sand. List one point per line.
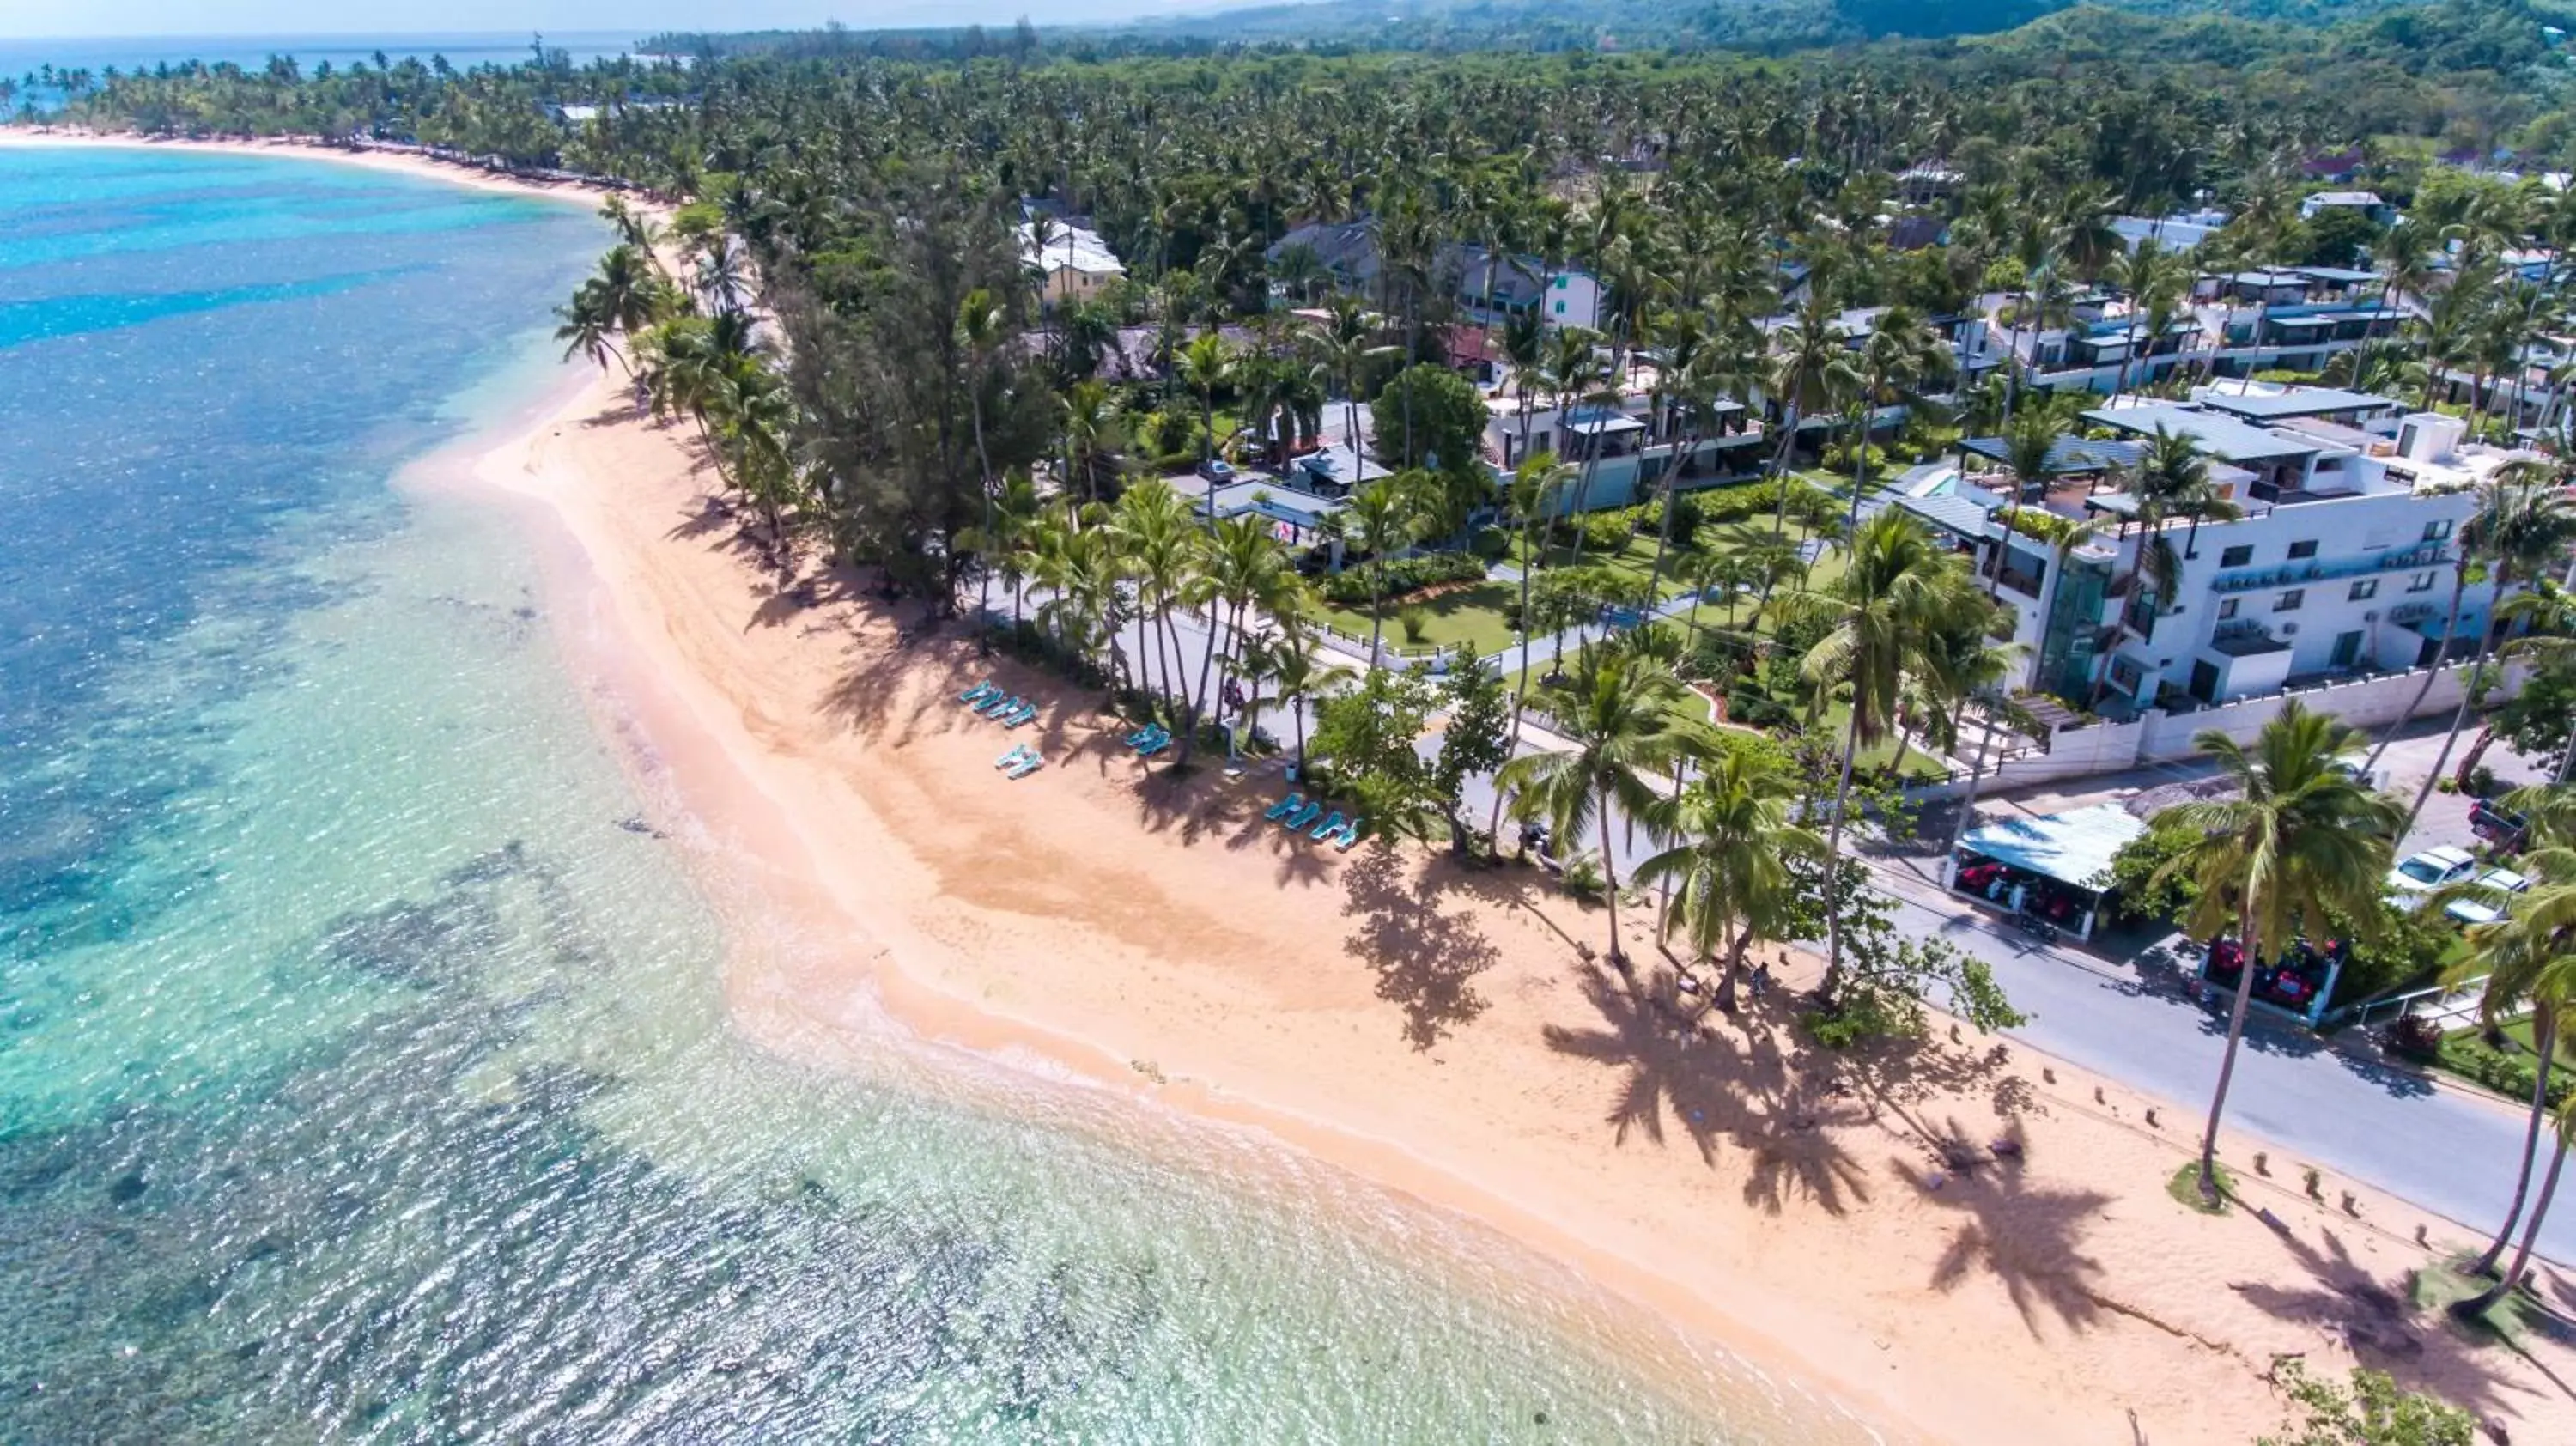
(1426, 960)
(2386, 1330)
(1718, 1088)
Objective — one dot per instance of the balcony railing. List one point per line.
(2292, 574)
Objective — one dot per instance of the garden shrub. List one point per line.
(1354, 587)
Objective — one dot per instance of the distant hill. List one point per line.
(1758, 26)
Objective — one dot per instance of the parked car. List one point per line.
(2418, 875)
(2497, 826)
(2488, 906)
(1217, 470)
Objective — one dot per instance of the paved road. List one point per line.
(2445, 1150)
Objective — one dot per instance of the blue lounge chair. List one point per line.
(1023, 714)
(1331, 825)
(996, 705)
(1027, 766)
(1016, 755)
(1152, 746)
(1296, 822)
(980, 693)
(1152, 740)
(1350, 835)
(1144, 735)
(1284, 807)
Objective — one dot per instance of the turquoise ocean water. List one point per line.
(363, 1071)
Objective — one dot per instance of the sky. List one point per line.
(31, 18)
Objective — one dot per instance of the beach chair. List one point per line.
(1143, 736)
(1153, 745)
(1016, 755)
(1329, 826)
(1284, 807)
(1022, 714)
(1350, 835)
(1027, 766)
(996, 705)
(1296, 822)
(981, 693)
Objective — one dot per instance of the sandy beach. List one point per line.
(1435, 1031)
(1431, 1030)
(406, 163)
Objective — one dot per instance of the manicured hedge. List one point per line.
(1356, 586)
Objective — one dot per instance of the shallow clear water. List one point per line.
(363, 1072)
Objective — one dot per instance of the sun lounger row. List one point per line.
(1297, 814)
(1149, 740)
(1020, 762)
(988, 701)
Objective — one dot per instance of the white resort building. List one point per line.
(2339, 567)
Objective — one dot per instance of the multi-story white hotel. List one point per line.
(2339, 566)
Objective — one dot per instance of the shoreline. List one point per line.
(730, 691)
(417, 165)
(869, 868)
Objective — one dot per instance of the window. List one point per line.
(2363, 591)
(1560, 285)
(1560, 308)
(2303, 549)
(2422, 582)
(2436, 531)
(2236, 556)
(2290, 601)
(2227, 609)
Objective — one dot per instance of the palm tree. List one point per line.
(2523, 525)
(1380, 521)
(1618, 711)
(2522, 955)
(2030, 455)
(1899, 592)
(1205, 365)
(2156, 280)
(1092, 429)
(1901, 355)
(1298, 676)
(1344, 348)
(1247, 571)
(1008, 538)
(1731, 884)
(981, 324)
(1811, 373)
(2305, 842)
(1163, 544)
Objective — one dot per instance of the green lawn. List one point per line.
(1636, 559)
(1468, 617)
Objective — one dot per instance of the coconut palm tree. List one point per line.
(2156, 280)
(1617, 710)
(2523, 526)
(2306, 841)
(1811, 371)
(1899, 592)
(1380, 522)
(2523, 956)
(1728, 873)
(1901, 357)
(982, 327)
(1163, 546)
(1298, 676)
(1205, 365)
(1247, 573)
